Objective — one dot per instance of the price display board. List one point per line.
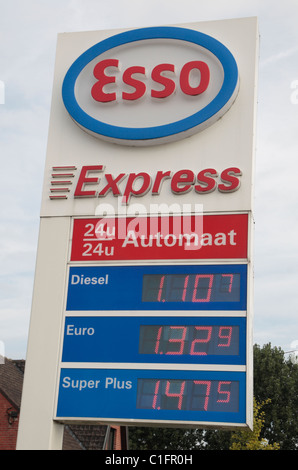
(174, 287)
(160, 343)
(156, 396)
(167, 340)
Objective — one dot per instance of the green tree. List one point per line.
(251, 439)
(149, 438)
(276, 378)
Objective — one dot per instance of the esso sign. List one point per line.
(151, 85)
(158, 76)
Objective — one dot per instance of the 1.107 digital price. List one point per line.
(191, 287)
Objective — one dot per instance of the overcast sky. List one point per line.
(29, 29)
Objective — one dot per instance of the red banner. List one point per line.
(160, 238)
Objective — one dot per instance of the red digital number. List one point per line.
(168, 389)
(160, 288)
(226, 393)
(158, 340)
(185, 288)
(177, 395)
(156, 390)
(178, 340)
(231, 276)
(208, 329)
(207, 394)
(197, 279)
(227, 336)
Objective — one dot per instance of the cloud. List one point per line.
(279, 56)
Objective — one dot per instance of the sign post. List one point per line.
(142, 308)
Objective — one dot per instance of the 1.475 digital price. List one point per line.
(192, 395)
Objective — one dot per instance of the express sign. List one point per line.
(151, 85)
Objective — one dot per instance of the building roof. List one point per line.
(11, 382)
(76, 437)
(91, 437)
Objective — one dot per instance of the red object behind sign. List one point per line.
(162, 238)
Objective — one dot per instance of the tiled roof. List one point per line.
(90, 436)
(11, 382)
(76, 437)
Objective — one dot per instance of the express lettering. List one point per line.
(138, 184)
(162, 74)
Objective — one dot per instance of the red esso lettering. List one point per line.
(135, 77)
(99, 73)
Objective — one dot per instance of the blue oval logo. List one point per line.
(162, 101)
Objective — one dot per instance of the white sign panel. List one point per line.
(143, 88)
